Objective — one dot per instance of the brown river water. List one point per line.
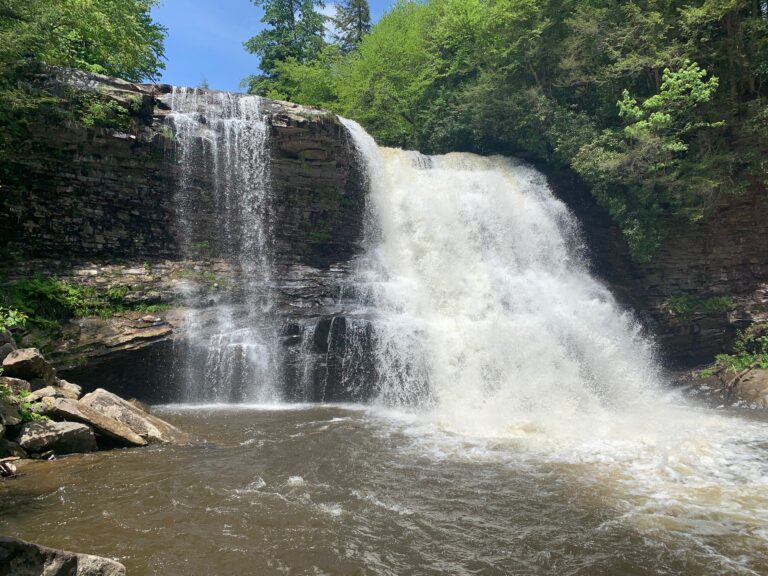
(351, 490)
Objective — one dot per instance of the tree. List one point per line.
(115, 37)
(295, 31)
(642, 170)
(352, 22)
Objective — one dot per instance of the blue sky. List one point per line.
(205, 39)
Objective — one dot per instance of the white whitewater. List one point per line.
(489, 324)
(485, 310)
(222, 138)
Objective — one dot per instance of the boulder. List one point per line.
(14, 384)
(5, 350)
(21, 558)
(51, 392)
(9, 414)
(71, 390)
(8, 448)
(753, 388)
(72, 410)
(29, 364)
(149, 427)
(60, 437)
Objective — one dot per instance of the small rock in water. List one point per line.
(7, 469)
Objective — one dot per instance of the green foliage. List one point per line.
(25, 408)
(637, 171)
(46, 302)
(201, 246)
(686, 306)
(294, 32)
(352, 21)
(199, 276)
(114, 37)
(151, 308)
(100, 112)
(11, 318)
(659, 105)
(749, 350)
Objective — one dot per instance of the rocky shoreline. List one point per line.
(43, 416)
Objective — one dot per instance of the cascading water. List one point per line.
(489, 324)
(222, 151)
(485, 310)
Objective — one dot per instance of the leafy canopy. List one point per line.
(541, 79)
(294, 32)
(114, 37)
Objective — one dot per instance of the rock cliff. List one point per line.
(94, 207)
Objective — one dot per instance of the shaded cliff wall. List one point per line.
(107, 193)
(722, 256)
(96, 207)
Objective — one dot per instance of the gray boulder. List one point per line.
(9, 414)
(5, 350)
(8, 448)
(72, 410)
(71, 390)
(149, 427)
(29, 364)
(20, 558)
(59, 437)
(7, 338)
(51, 392)
(14, 384)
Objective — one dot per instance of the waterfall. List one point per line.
(223, 208)
(486, 313)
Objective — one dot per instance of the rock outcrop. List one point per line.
(20, 558)
(51, 419)
(95, 207)
(74, 411)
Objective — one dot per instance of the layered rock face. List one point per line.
(708, 280)
(99, 208)
(724, 256)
